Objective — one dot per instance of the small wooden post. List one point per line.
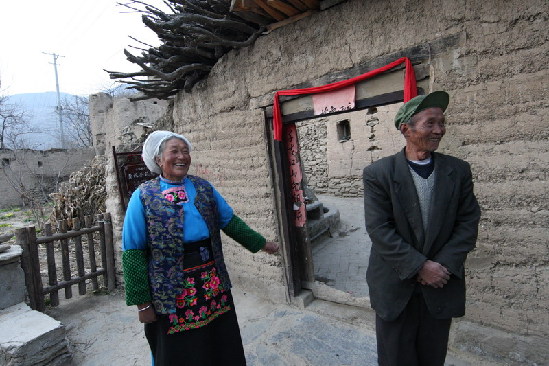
(88, 221)
(111, 271)
(101, 224)
(22, 239)
(62, 228)
(35, 263)
(52, 269)
(79, 257)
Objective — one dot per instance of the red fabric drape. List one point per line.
(410, 90)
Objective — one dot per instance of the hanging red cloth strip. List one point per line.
(410, 90)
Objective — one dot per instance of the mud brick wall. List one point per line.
(490, 56)
(496, 75)
(36, 173)
(123, 124)
(230, 151)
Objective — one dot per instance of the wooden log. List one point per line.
(273, 13)
(312, 4)
(67, 234)
(88, 221)
(74, 281)
(65, 259)
(283, 7)
(35, 262)
(298, 4)
(109, 248)
(273, 26)
(79, 253)
(102, 244)
(52, 268)
(22, 239)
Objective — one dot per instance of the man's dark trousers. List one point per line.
(414, 338)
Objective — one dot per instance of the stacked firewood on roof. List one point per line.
(194, 34)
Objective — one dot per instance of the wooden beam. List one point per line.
(250, 11)
(243, 5)
(272, 12)
(273, 26)
(298, 4)
(258, 16)
(326, 4)
(283, 7)
(312, 4)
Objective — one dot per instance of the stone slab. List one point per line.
(12, 284)
(11, 255)
(28, 337)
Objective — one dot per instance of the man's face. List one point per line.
(426, 133)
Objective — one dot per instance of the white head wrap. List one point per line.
(151, 147)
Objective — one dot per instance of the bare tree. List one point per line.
(77, 121)
(120, 90)
(32, 182)
(13, 123)
(194, 35)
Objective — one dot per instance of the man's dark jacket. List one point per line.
(399, 244)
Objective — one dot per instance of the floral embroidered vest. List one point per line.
(165, 240)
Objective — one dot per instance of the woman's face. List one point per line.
(175, 159)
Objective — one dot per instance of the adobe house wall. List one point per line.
(490, 56)
(120, 123)
(37, 172)
(496, 76)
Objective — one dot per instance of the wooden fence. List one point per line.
(42, 250)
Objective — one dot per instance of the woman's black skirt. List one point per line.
(204, 331)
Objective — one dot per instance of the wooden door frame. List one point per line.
(295, 243)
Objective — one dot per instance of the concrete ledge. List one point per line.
(497, 345)
(324, 292)
(303, 299)
(11, 255)
(28, 337)
(12, 278)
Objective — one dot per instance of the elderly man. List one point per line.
(422, 217)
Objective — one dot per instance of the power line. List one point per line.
(59, 109)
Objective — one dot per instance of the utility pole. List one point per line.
(59, 108)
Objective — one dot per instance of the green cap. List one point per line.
(415, 105)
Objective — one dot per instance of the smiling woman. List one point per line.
(173, 262)
(174, 159)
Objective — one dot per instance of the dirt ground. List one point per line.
(13, 218)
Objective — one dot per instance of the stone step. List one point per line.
(28, 337)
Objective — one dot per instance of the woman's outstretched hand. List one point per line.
(271, 247)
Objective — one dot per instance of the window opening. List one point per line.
(343, 130)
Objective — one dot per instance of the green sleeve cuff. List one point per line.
(241, 233)
(136, 278)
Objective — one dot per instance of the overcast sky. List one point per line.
(89, 36)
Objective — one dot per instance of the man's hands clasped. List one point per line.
(433, 274)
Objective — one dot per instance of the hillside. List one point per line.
(43, 118)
